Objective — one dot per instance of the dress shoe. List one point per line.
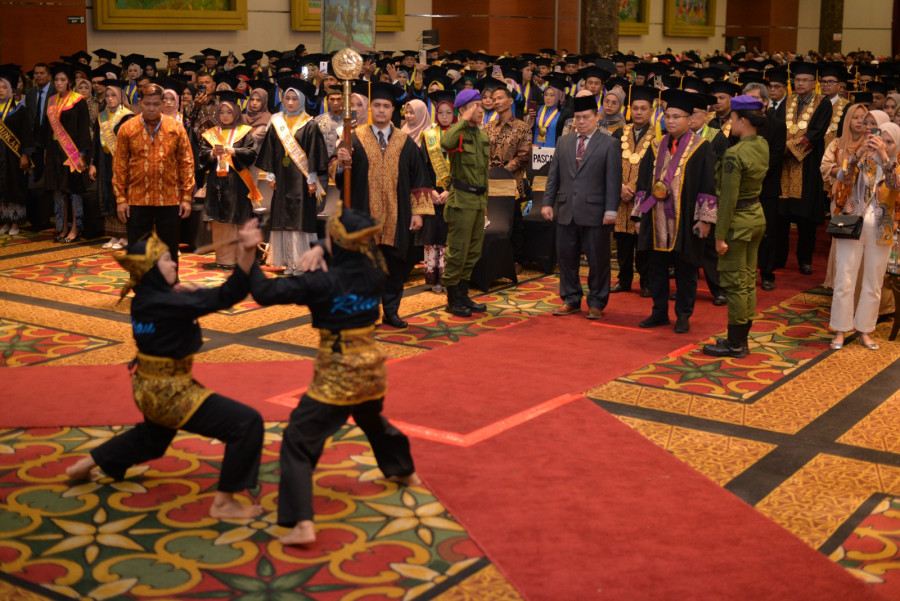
(720, 300)
(619, 287)
(645, 293)
(806, 269)
(594, 313)
(682, 325)
(872, 346)
(654, 320)
(768, 285)
(394, 321)
(567, 310)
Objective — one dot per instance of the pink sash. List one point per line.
(54, 109)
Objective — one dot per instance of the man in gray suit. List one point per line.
(586, 179)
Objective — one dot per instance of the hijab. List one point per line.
(236, 111)
(419, 122)
(880, 117)
(618, 117)
(301, 106)
(893, 130)
(845, 144)
(261, 117)
(364, 118)
(173, 94)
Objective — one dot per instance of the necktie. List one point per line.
(673, 146)
(382, 141)
(39, 116)
(579, 154)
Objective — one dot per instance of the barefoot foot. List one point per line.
(226, 507)
(410, 480)
(303, 533)
(83, 470)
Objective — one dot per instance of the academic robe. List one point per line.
(699, 186)
(293, 207)
(404, 164)
(227, 199)
(103, 161)
(808, 202)
(77, 123)
(13, 182)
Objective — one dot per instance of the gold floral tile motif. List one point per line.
(65, 252)
(304, 335)
(15, 249)
(720, 458)
(487, 584)
(399, 351)
(239, 353)
(63, 320)
(880, 430)
(61, 294)
(825, 493)
(10, 592)
(249, 320)
(787, 408)
(871, 553)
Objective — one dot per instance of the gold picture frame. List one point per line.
(639, 24)
(108, 16)
(305, 17)
(690, 18)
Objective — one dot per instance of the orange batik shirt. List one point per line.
(153, 170)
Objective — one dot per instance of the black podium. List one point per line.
(540, 234)
(497, 260)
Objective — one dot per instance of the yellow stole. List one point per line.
(439, 162)
(214, 136)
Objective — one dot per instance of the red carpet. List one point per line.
(648, 526)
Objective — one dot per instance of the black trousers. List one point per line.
(398, 268)
(594, 241)
(766, 255)
(686, 276)
(710, 264)
(806, 240)
(240, 427)
(165, 220)
(630, 259)
(517, 235)
(38, 202)
(310, 426)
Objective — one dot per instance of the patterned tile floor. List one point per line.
(807, 435)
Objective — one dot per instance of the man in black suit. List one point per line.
(586, 179)
(38, 203)
(775, 133)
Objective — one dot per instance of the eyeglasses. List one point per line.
(828, 82)
(675, 117)
(804, 79)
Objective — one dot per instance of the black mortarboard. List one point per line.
(692, 83)
(703, 101)
(276, 54)
(66, 68)
(709, 73)
(265, 84)
(719, 60)
(306, 88)
(646, 93)
(601, 74)
(384, 91)
(489, 83)
(862, 97)
(585, 103)
(211, 52)
(442, 96)
(801, 68)
(82, 68)
(225, 77)
(170, 83)
(230, 96)
(723, 87)
(674, 83)
(411, 53)
(878, 87)
(251, 57)
(114, 82)
(189, 66)
(678, 99)
(107, 54)
(481, 56)
(751, 77)
(543, 62)
(835, 70)
(98, 72)
(81, 55)
(150, 62)
(618, 81)
(133, 59)
(549, 51)
(777, 76)
(242, 71)
(173, 54)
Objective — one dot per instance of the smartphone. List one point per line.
(532, 106)
(353, 115)
(304, 72)
(323, 67)
(497, 72)
(422, 57)
(875, 132)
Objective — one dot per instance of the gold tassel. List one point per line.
(789, 90)
(628, 110)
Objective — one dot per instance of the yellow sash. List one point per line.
(57, 105)
(439, 162)
(213, 135)
(108, 127)
(291, 147)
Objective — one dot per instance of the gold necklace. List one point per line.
(634, 157)
(790, 111)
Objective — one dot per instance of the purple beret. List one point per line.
(746, 103)
(465, 97)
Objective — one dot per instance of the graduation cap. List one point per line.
(133, 59)
(569, 59)
(242, 71)
(709, 73)
(513, 74)
(252, 57)
(878, 87)
(557, 81)
(645, 93)
(630, 58)
(489, 83)
(595, 72)
(481, 56)
(410, 53)
(543, 62)
(862, 97)
(273, 54)
(225, 77)
(673, 82)
(617, 81)
(751, 77)
(678, 99)
(529, 56)
(81, 67)
(646, 69)
(379, 90)
(691, 56)
(802, 68)
(669, 58)
(313, 59)
(441, 80)
(211, 52)
(265, 84)
(173, 54)
(442, 96)
(10, 75)
(170, 83)
(703, 101)
(306, 88)
(723, 87)
(98, 72)
(117, 83)
(230, 96)
(65, 68)
(107, 54)
(189, 66)
(777, 76)
(150, 62)
(549, 51)
(719, 60)
(869, 70)
(80, 56)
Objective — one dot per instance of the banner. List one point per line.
(348, 23)
(541, 157)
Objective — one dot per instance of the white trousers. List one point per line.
(854, 259)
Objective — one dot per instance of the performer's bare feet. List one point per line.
(303, 533)
(83, 469)
(226, 507)
(410, 480)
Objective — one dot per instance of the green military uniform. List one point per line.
(741, 223)
(468, 151)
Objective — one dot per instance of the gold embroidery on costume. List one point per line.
(632, 155)
(837, 111)
(165, 391)
(138, 265)
(792, 167)
(349, 368)
(663, 227)
(383, 175)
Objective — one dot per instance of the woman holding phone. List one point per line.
(868, 186)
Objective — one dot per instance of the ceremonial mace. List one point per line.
(347, 65)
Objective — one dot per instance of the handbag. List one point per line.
(845, 226)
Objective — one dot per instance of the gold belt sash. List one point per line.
(165, 390)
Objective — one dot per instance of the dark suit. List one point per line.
(38, 205)
(584, 194)
(775, 133)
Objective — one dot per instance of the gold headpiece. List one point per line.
(361, 241)
(138, 265)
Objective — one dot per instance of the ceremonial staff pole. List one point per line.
(347, 66)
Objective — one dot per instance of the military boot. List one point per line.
(733, 346)
(455, 305)
(463, 288)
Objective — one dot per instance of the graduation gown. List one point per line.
(77, 123)
(402, 163)
(698, 185)
(293, 207)
(808, 202)
(227, 198)
(101, 158)
(13, 182)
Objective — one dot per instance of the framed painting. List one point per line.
(306, 15)
(690, 18)
(634, 17)
(170, 14)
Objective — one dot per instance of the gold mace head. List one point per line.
(347, 64)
